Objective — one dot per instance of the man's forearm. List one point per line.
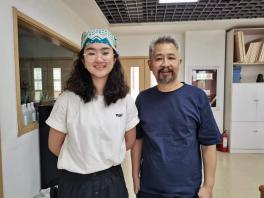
(209, 164)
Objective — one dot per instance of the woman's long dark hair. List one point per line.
(80, 82)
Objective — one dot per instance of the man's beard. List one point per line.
(166, 79)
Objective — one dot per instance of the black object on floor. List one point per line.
(48, 161)
(53, 192)
(260, 78)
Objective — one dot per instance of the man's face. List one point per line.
(165, 62)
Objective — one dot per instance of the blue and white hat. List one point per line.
(99, 36)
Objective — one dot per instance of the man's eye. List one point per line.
(172, 58)
(158, 58)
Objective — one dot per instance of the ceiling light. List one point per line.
(177, 1)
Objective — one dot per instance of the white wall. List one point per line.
(89, 11)
(207, 49)
(20, 155)
(138, 45)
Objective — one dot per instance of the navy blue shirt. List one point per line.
(173, 126)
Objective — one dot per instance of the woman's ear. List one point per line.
(83, 62)
(115, 56)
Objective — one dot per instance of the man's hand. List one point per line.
(136, 182)
(205, 192)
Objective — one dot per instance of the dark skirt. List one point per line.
(108, 183)
(149, 195)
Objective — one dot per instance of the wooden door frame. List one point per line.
(146, 78)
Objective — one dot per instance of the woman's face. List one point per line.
(99, 59)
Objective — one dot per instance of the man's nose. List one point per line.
(165, 61)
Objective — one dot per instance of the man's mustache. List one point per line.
(166, 69)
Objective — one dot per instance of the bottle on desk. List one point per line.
(33, 112)
(25, 119)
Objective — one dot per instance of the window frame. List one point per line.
(21, 19)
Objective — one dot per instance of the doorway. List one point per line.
(138, 77)
(137, 74)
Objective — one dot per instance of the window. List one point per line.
(134, 81)
(36, 50)
(57, 81)
(37, 84)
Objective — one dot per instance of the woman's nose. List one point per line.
(99, 57)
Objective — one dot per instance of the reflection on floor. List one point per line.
(237, 175)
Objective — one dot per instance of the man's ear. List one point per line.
(149, 64)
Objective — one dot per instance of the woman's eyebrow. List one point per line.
(91, 48)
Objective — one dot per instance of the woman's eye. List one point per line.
(105, 53)
(90, 53)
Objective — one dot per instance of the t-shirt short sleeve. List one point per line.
(139, 131)
(208, 133)
(139, 127)
(132, 113)
(57, 118)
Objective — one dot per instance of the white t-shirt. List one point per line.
(94, 132)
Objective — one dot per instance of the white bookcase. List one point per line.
(244, 101)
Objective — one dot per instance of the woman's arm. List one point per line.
(56, 139)
(136, 153)
(130, 138)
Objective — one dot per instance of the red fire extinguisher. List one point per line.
(224, 142)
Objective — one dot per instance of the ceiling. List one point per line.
(149, 11)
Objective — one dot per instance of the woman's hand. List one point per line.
(136, 182)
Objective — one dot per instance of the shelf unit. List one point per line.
(244, 101)
(245, 64)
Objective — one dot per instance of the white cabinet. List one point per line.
(247, 135)
(244, 102)
(248, 102)
(260, 102)
(247, 128)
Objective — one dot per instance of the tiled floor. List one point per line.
(237, 176)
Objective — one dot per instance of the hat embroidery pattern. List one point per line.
(98, 36)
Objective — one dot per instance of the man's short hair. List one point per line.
(161, 40)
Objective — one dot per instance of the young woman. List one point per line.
(93, 122)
